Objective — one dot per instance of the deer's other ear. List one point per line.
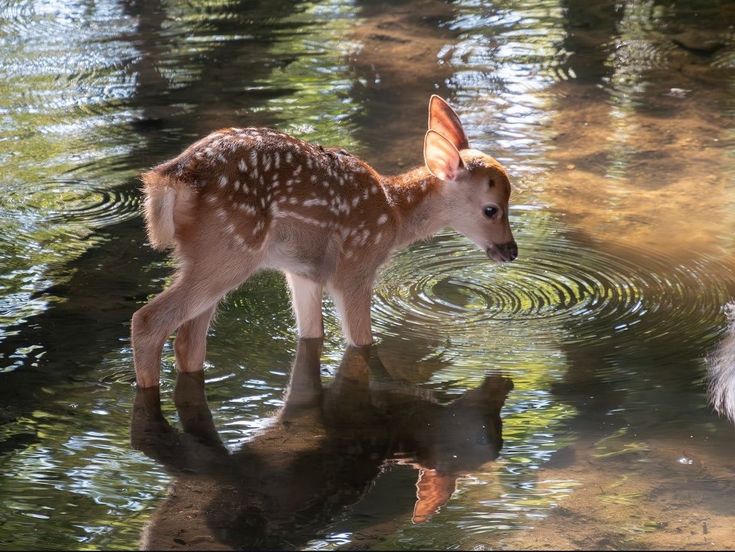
(433, 490)
(444, 120)
(441, 157)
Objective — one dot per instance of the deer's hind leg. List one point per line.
(192, 297)
(191, 341)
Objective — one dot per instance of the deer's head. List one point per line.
(476, 186)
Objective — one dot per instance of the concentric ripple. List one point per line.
(447, 287)
(94, 205)
(71, 208)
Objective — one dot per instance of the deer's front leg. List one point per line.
(352, 298)
(306, 296)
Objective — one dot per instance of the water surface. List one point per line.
(555, 401)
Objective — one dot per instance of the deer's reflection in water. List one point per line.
(322, 454)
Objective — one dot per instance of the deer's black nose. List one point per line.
(509, 250)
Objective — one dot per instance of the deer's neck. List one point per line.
(417, 199)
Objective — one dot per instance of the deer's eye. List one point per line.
(490, 211)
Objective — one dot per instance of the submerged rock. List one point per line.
(698, 42)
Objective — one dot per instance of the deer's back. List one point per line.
(244, 183)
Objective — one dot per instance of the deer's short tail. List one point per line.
(722, 370)
(159, 207)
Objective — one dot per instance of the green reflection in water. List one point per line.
(320, 106)
(580, 315)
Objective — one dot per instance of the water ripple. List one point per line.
(448, 287)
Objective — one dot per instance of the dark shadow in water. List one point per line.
(321, 455)
(396, 70)
(590, 27)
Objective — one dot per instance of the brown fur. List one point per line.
(240, 200)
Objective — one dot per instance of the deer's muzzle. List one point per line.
(503, 252)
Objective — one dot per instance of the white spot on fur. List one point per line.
(249, 209)
(241, 165)
(222, 181)
(382, 219)
(364, 238)
(311, 202)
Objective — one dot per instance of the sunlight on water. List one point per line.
(615, 124)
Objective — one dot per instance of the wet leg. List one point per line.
(306, 297)
(352, 299)
(193, 293)
(191, 342)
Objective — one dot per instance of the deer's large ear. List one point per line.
(441, 156)
(433, 490)
(444, 120)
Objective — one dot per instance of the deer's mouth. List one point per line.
(504, 252)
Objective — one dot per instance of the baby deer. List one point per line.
(240, 200)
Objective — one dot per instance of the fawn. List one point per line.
(240, 200)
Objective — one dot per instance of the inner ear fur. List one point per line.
(441, 156)
(444, 120)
